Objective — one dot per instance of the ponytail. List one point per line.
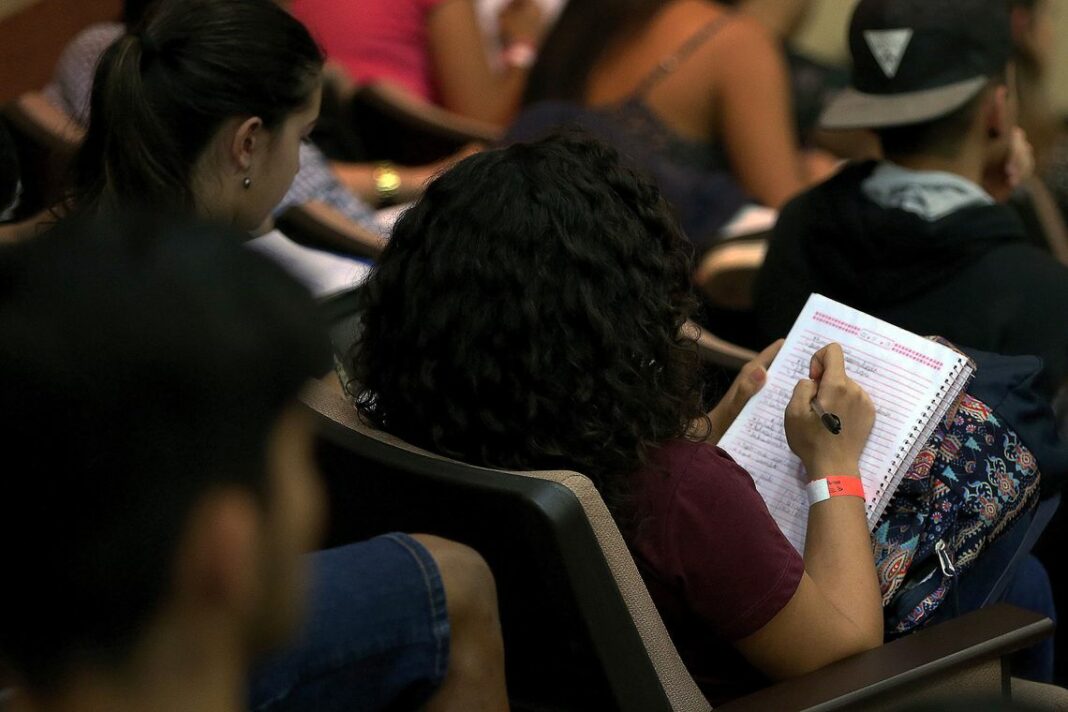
(161, 94)
(129, 153)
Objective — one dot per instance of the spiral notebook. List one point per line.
(912, 381)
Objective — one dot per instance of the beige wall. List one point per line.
(824, 36)
(32, 34)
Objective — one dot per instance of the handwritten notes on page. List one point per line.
(911, 380)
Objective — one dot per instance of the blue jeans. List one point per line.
(376, 634)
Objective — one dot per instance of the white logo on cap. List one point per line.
(888, 47)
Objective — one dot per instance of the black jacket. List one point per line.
(970, 277)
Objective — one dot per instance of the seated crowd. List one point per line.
(533, 309)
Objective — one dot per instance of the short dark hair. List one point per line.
(142, 363)
(526, 315)
(942, 136)
(161, 92)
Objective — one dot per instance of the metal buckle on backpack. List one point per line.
(945, 561)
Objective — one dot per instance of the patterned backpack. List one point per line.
(972, 481)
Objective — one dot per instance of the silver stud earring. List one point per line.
(247, 183)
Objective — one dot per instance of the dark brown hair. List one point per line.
(162, 91)
(526, 315)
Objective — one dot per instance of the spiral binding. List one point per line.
(918, 437)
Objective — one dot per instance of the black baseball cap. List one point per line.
(918, 60)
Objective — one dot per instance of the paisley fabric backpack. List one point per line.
(974, 479)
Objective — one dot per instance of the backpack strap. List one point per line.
(672, 62)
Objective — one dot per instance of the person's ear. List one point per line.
(248, 137)
(218, 565)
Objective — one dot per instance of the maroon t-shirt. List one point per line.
(715, 562)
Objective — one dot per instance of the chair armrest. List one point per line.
(715, 350)
(980, 637)
(727, 272)
(418, 114)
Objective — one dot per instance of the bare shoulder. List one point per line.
(740, 35)
(744, 32)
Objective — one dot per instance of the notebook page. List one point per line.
(905, 375)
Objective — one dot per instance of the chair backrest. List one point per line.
(581, 631)
(727, 271)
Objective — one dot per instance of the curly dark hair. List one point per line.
(526, 315)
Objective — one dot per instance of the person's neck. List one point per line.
(213, 201)
(176, 671)
(965, 164)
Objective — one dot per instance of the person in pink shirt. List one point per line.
(432, 48)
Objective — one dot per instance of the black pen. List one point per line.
(830, 421)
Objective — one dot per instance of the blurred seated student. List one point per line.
(687, 82)
(340, 196)
(167, 492)
(431, 48)
(922, 239)
(550, 284)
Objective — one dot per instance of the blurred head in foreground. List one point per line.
(158, 469)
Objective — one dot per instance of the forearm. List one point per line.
(331, 229)
(15, 232)
(33, 113)
(758, 131)
(468, 84)
(838, 558)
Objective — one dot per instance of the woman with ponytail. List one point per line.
(332, 200)
(202, 108)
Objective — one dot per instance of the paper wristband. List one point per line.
(828, 487)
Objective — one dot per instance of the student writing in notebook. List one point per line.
(527, 314)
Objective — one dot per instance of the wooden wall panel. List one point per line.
(32, 38)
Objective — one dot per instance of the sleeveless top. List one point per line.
(644, 121)
(694, 176)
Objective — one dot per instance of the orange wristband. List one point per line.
(834, 486)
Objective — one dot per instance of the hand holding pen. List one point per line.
(829, 417)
